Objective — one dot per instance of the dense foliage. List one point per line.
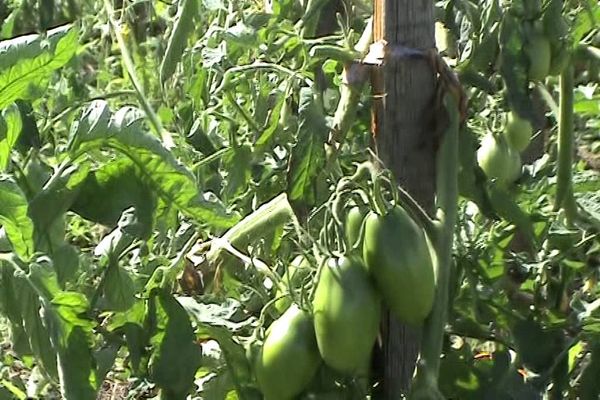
(188, 205)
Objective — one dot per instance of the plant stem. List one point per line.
(564, 187)
(130, 67)
(447, 199)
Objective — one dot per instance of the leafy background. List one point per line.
(132, 135)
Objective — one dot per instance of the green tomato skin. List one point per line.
(397, 255)
(289, 357)
(539, 53)
(347, 312)
(498, 160)
(353, 224)
(518, 131)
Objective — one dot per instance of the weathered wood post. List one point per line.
(403, 129)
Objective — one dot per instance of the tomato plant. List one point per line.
(195, 202)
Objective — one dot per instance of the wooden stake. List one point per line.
(404, 138)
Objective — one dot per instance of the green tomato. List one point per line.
(397, 255)
(347, 311)
(498, 160)
(518, 131)
(289, 357)
(353, 224)
(539, 53)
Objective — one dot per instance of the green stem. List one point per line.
(130, 67)
(564, 187)
(247, 117)
(416, 211)
(262, 222)
(447, 202)
(227, 76)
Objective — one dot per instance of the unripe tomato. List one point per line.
(539, 54)
(289, 357)
(498, 160)
(397, 255)
(518, 131)
(352, 226)
(347, 313)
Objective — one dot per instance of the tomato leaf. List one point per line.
(308, 155)
(176, 356)
(155, 165)
(14, 218)
(17, 79)
(514, 67)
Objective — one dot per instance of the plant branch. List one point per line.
(564, 185)
(447, 201)
(130, 67)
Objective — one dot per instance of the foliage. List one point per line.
(162, 165)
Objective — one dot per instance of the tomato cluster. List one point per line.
(388, 260)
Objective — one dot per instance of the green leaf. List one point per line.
(589, 386)
(119, 290)
(131, 323)
(536, 346)
(216, 315)
(72, 337)
(14, 219)
(237, 163)
(586, 19)
(17, 79)
(37, 332)
(514, 67)
(12, 120)
(308, 155)
(272, 125)
(507, 208)
(114, 187)
(182, 28)
(156, 166)
(30, 46)
(176, 356)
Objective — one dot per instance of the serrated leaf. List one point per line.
(119, 289)
(16, 80)
(270, 129)
(308, 155)
(37, 332)
(156, 166)
(218, 315)
(514, 67)
(114, 187)
(29, 46)
(237, 164)
(507, 208)
(12, 120)
(69, 330)
(14, 218)
(176, 356)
